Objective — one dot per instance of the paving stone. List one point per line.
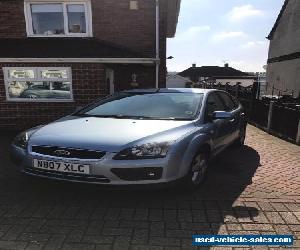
(147, 247)
(55, 242)
(78, 246)
(140, 236)
(160, 241)
(289, 218)
(117, 231)
(121, 243)
(103, 247)
(274, 217)
(157, 229)
(17, 245)
(97, 239)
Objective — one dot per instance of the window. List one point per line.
(165, 106)
(38, 84)
(227, 101)
(213, 104)
(58, 18)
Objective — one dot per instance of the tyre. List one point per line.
(242, 136)
(197, 172)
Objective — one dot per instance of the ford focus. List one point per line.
(135, 137)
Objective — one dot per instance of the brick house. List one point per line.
(56, 55)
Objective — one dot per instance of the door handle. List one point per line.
(232, 120)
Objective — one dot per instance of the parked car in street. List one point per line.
(135, 137)
(52, 90)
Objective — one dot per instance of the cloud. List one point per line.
(224, 35)
(254, 44)
(192, 33)
(241, 12)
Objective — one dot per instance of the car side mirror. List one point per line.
(221, 115)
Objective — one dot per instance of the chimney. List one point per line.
(194, 65)
(226, 65)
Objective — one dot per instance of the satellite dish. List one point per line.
(265, 67)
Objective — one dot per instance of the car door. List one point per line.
(216, 128)
(233, 123)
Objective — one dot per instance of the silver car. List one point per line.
(135, 137)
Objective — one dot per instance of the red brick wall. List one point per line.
(113, 21)
(134, 29)
(88, 85)
(12, 20)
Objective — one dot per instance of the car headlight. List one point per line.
(21, 140)
(145, 151)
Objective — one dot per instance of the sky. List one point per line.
(212, 32)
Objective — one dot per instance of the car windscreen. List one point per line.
(165, 106)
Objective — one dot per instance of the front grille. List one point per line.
(138, 174)
(67, 176)
(68, 152)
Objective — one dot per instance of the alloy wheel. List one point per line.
(199, 167)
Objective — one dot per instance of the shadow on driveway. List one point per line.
(180, 213)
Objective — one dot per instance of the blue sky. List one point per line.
(210, 32)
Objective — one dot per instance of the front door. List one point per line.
(234, 122)
(218, 128)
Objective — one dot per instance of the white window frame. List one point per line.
(88, 17)
(38, 78)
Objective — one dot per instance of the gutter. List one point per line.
(157, 45)
(82, 60)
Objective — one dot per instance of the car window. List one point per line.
(213, 104)
(229, 104)
(148, 105)
(235, 101)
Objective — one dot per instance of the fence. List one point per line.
(276, 118)
(281, 117)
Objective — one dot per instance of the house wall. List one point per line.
(176, 81)
(12, 19)
(113, 21)
(284, 73)
(284, 77)
(286, 39)
(88, 85)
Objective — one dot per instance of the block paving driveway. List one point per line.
(251, 190)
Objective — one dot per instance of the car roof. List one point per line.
(170, 90)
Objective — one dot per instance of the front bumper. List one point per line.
(105, 171)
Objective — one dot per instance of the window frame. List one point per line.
(224, 102)
(88, 17)
(38, 78)
(217, 97)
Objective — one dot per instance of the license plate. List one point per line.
(61, 167)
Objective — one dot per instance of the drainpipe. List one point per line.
(157, 45)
